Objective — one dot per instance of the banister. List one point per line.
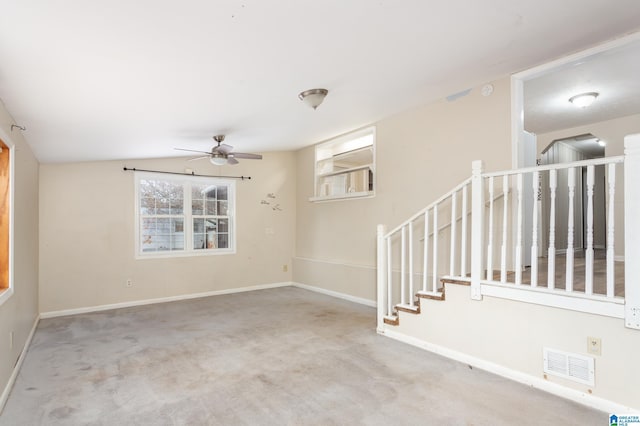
(557, 166)
(429, 207)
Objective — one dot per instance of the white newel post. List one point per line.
(382, 276)
(632, 230)
(477, 228)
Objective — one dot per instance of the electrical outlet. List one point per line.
(11, 340)
(594, 345)
(129, 283)
(285, 268)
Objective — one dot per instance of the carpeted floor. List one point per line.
(271, 357)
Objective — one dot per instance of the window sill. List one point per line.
(348, 196)
(5, 294)
(174, 254)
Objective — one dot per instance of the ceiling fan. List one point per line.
(222, 153)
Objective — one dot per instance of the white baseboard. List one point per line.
(517, 376)
(16, 368)
(339, 295)
(65, 312)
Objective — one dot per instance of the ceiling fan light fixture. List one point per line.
(313, 97)
(218, 160)
(583, 100)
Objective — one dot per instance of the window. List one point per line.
(183, 216)
(345, 166)
(6, 220)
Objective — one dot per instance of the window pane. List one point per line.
(162, 206)
(147, 206)
(176, 206)
(198, 226)
(147, 234)
(223, 208)
(211, 208)
(223, 241)
(223, 225)
(197, 207)
(198, 241)
(223, 192)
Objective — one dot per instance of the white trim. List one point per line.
(517, 376)
(334, 262)
(598, 305)
(332, 293)
(16, 368)
(5, 294)
(8, 141)
(65, 312)
(347, 196)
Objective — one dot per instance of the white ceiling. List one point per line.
(614, 74)
(94, 80)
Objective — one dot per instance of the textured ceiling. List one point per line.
(614, 74)
(95, 80)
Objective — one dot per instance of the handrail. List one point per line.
(557, 166)
(429, 207)
(459, 218)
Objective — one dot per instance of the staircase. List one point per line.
(474, 236)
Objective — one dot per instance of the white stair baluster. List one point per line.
(588, 287)
(403, 263)
(434, 266)
(411, 293)
(425, 258)
(611, 232)
(571, 175)
(490, 236)
(503, 249)
(463, 234)
(389, 279)
(551, 253)
(534, 230)
(518, 265)
(452, 259)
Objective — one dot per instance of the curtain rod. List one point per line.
(185, 174)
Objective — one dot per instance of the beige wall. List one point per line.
(421, 154)
(87, 234)
(18, 313)
(513, 334)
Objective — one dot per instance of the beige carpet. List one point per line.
(271, 357)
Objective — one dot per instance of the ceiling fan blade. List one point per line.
(246, 155)
(199, 158)
(192, 150)
(232, 161)
(223, 148)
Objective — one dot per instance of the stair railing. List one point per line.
(496, 265)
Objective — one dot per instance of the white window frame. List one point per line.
(187, 181)
(344, 140)
(6, 293)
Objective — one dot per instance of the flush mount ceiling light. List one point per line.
(583, 100)
(313, 97)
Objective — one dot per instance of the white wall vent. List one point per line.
(570, 366)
